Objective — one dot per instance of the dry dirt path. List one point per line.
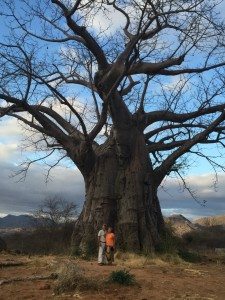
(155, 281)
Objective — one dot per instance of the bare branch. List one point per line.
(91, 43)
(163, 169)
(165, 115)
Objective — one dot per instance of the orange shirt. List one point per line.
(110, 239)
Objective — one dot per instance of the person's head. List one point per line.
(104, 226)
(110, 230)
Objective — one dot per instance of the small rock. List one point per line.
(77, 296)
(45, 286)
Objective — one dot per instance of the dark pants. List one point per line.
(110, 254)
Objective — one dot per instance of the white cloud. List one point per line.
(174, 200)
(7, 151)
(108, 20)
(10, 128)
(177, 83)
(10, 137)
(24, 197)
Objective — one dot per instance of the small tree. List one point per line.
(56, 211)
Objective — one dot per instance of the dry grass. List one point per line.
(130, 260)
(48, 261)
(135, 261)
(211, 221)
(72, 278)
(168, 259)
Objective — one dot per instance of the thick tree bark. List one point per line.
(121, 192)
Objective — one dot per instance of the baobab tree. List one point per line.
(125, 89)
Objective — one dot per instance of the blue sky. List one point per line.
(24, 197)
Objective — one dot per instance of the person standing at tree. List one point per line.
(110, 245)
(101, 243)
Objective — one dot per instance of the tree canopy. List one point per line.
(71, 71)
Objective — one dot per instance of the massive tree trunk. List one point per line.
(121, 192)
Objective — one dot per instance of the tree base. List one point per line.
(121, 192)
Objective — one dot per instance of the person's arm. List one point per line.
(99, 237)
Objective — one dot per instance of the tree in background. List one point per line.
(125, 89)
(55, 211)
(50, 231)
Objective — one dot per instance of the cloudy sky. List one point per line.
(24, 197)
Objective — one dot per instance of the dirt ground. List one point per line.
(155, 280)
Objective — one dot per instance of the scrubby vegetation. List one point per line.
(195, 246)
(123, 277)
(42, 240)
(208, 237)
(72, 278)
(176, 249)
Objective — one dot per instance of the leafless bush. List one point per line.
(55, 211)
(72, 278)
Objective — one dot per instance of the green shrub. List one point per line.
(189, 256)
(206, 238)
(188, 238)
(87, 251)
(91, 248)
(75, 251)
(122, 277)
(169, 242)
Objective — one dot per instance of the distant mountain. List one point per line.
(180, 224)
(178, 219)
(211, 221)
(22, 221)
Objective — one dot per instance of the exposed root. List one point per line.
(11, 264)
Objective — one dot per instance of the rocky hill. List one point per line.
(22, 221)
(180, 224)
(211, 221)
